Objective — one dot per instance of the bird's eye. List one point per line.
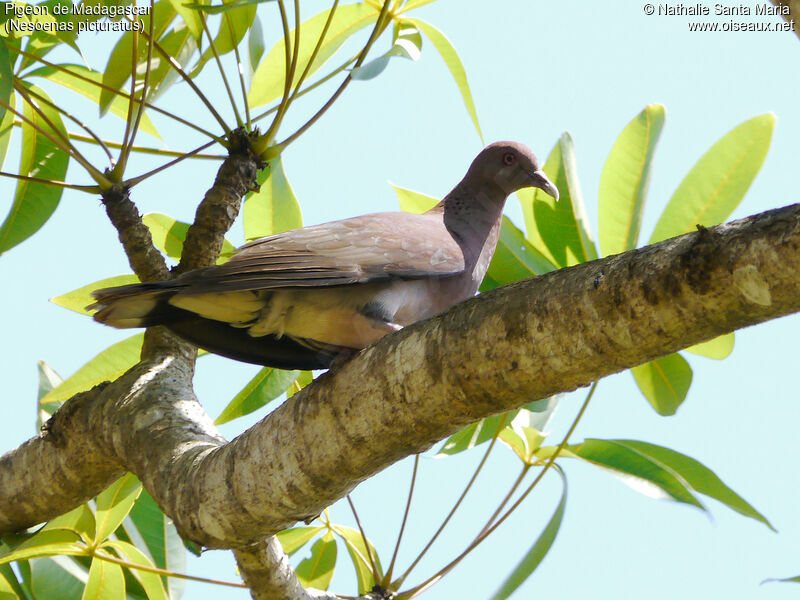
(508, 158)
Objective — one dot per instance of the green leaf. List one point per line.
(255, 44)
(302, 381)
(6, 78)
(6, 130)
(407, 44)
(268, 80)
(515, 258)
(47, 543)
(106, 582)
(717, 183)
(73, 77)
(698, 476)
(718, 348)
(293, 539)
(267, 385)
(149, 581)
(272, 209)
(78, 300)
(9, 584)
(538, 551)
(169, 234)
(181, 45)
(118, 69)
(453, 62)
(34, 203)
(625, 179)
(316, 571)
(192, 19)
(475, 434)
(664, 382)
(640, 472)
(48, 379)
(795, 579)
(236, 19)
(153, 532)
(416, 4)
(114, 503)
(358, 555)
(62, 577)
(79, 520)
(413, 202)
(106, 366)
(559, 229)
(215, 9)
(523, 436)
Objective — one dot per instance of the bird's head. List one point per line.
(510, 166)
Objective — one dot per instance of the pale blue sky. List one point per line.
(536, 69)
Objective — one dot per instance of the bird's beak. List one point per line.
(540, 180)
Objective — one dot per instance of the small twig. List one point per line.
(139, 178)
(185, 76)
(143, 149)
(316, 50)
(242, 84)
(91, 189)
(165, 572)
(396, 584)
(213, 47)
(75, 120)
(364, 537)
(388, 577)
(121, 94)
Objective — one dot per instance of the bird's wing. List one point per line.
(369, 248)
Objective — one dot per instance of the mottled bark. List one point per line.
(220, 206)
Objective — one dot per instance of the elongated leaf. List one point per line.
(34, 203)
(293, 539)
(625, 179)
(181, 45)
(795, 579)
(6, 130)
(559, 230)
(274, 208)
(639, 471)
(316, 571)
(61, 577)
(255, 44)
(154, 533)
(6, 77)
(664, 382)
(169, 235)
(448, 53)
(47, 543)
(118, 69)
(522, 436)
(268, 80)
(9, 586)
(48, 379)
(78, 300)
(302, 381)
(718, 348)
(215, 9)
(106, 581)
(267, 385)
(416, 4)
(106, 366)
(358, 554)
(698, 476)
(407, 44)
(475, 434)
(717, 183)
(79, 520)
(114, 504)
(538, 551)
(73, 77)
(149, 581)
(237, 16)
(413, 202)
(191, 18)
(514, 259)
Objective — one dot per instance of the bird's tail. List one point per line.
(136, 305)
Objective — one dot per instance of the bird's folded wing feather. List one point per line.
(369, 248)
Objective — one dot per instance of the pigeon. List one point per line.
(307, 297)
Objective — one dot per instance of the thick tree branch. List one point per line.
(504, 348)
(220, 206)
